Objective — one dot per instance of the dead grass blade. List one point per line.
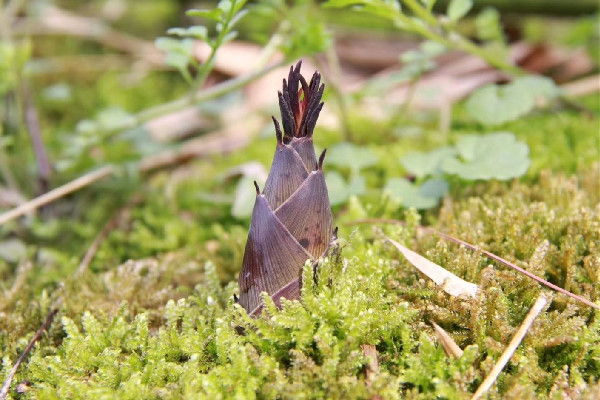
(450, 283)
(484, 252)
(539, 305)
(449, 345)
(32, 342)
(57, 193)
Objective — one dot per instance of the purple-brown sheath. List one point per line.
(291, 221)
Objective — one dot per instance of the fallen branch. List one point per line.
(484, 252)
(32, 342)
(57, 193)
(512, 346)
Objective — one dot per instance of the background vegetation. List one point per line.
(479, 120)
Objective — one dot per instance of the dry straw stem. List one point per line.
(539, 305)
(32, 342)
(484, 252)
(57, 193)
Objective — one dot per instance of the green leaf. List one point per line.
(497, 104)
(421, 197)
(197, 31)
(436, 187)
(237, 17)
(214, 14)
(113, 117)
(225, 6)
(458, 9)
(172, 45)
(422, 164)
(167, 44)
(339, 3)
(432, 49)
(177, 60)
(340, 190)
(538, 86)
(308, 36)
(488, 25)
(493, 156)
(351, 156)
(229, 37)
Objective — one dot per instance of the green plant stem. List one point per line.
(422, 12)
(456, 41)
(207, 66)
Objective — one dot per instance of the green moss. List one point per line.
(167, 328)
(152, 317)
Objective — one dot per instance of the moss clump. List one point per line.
(133, 342)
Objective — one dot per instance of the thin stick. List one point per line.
(123, 214)
(34, 339)
(512, 346)
(33, 127)
(582, 87)
(57, 193)
(486, 253)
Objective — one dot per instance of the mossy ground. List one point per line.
(163, 324)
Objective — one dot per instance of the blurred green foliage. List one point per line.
(152, 315)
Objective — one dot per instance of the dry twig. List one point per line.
(45, 326)
(512, 346)
(57, 193)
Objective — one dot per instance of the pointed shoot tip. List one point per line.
(321, 158)
(257, 188)
(278, 132)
